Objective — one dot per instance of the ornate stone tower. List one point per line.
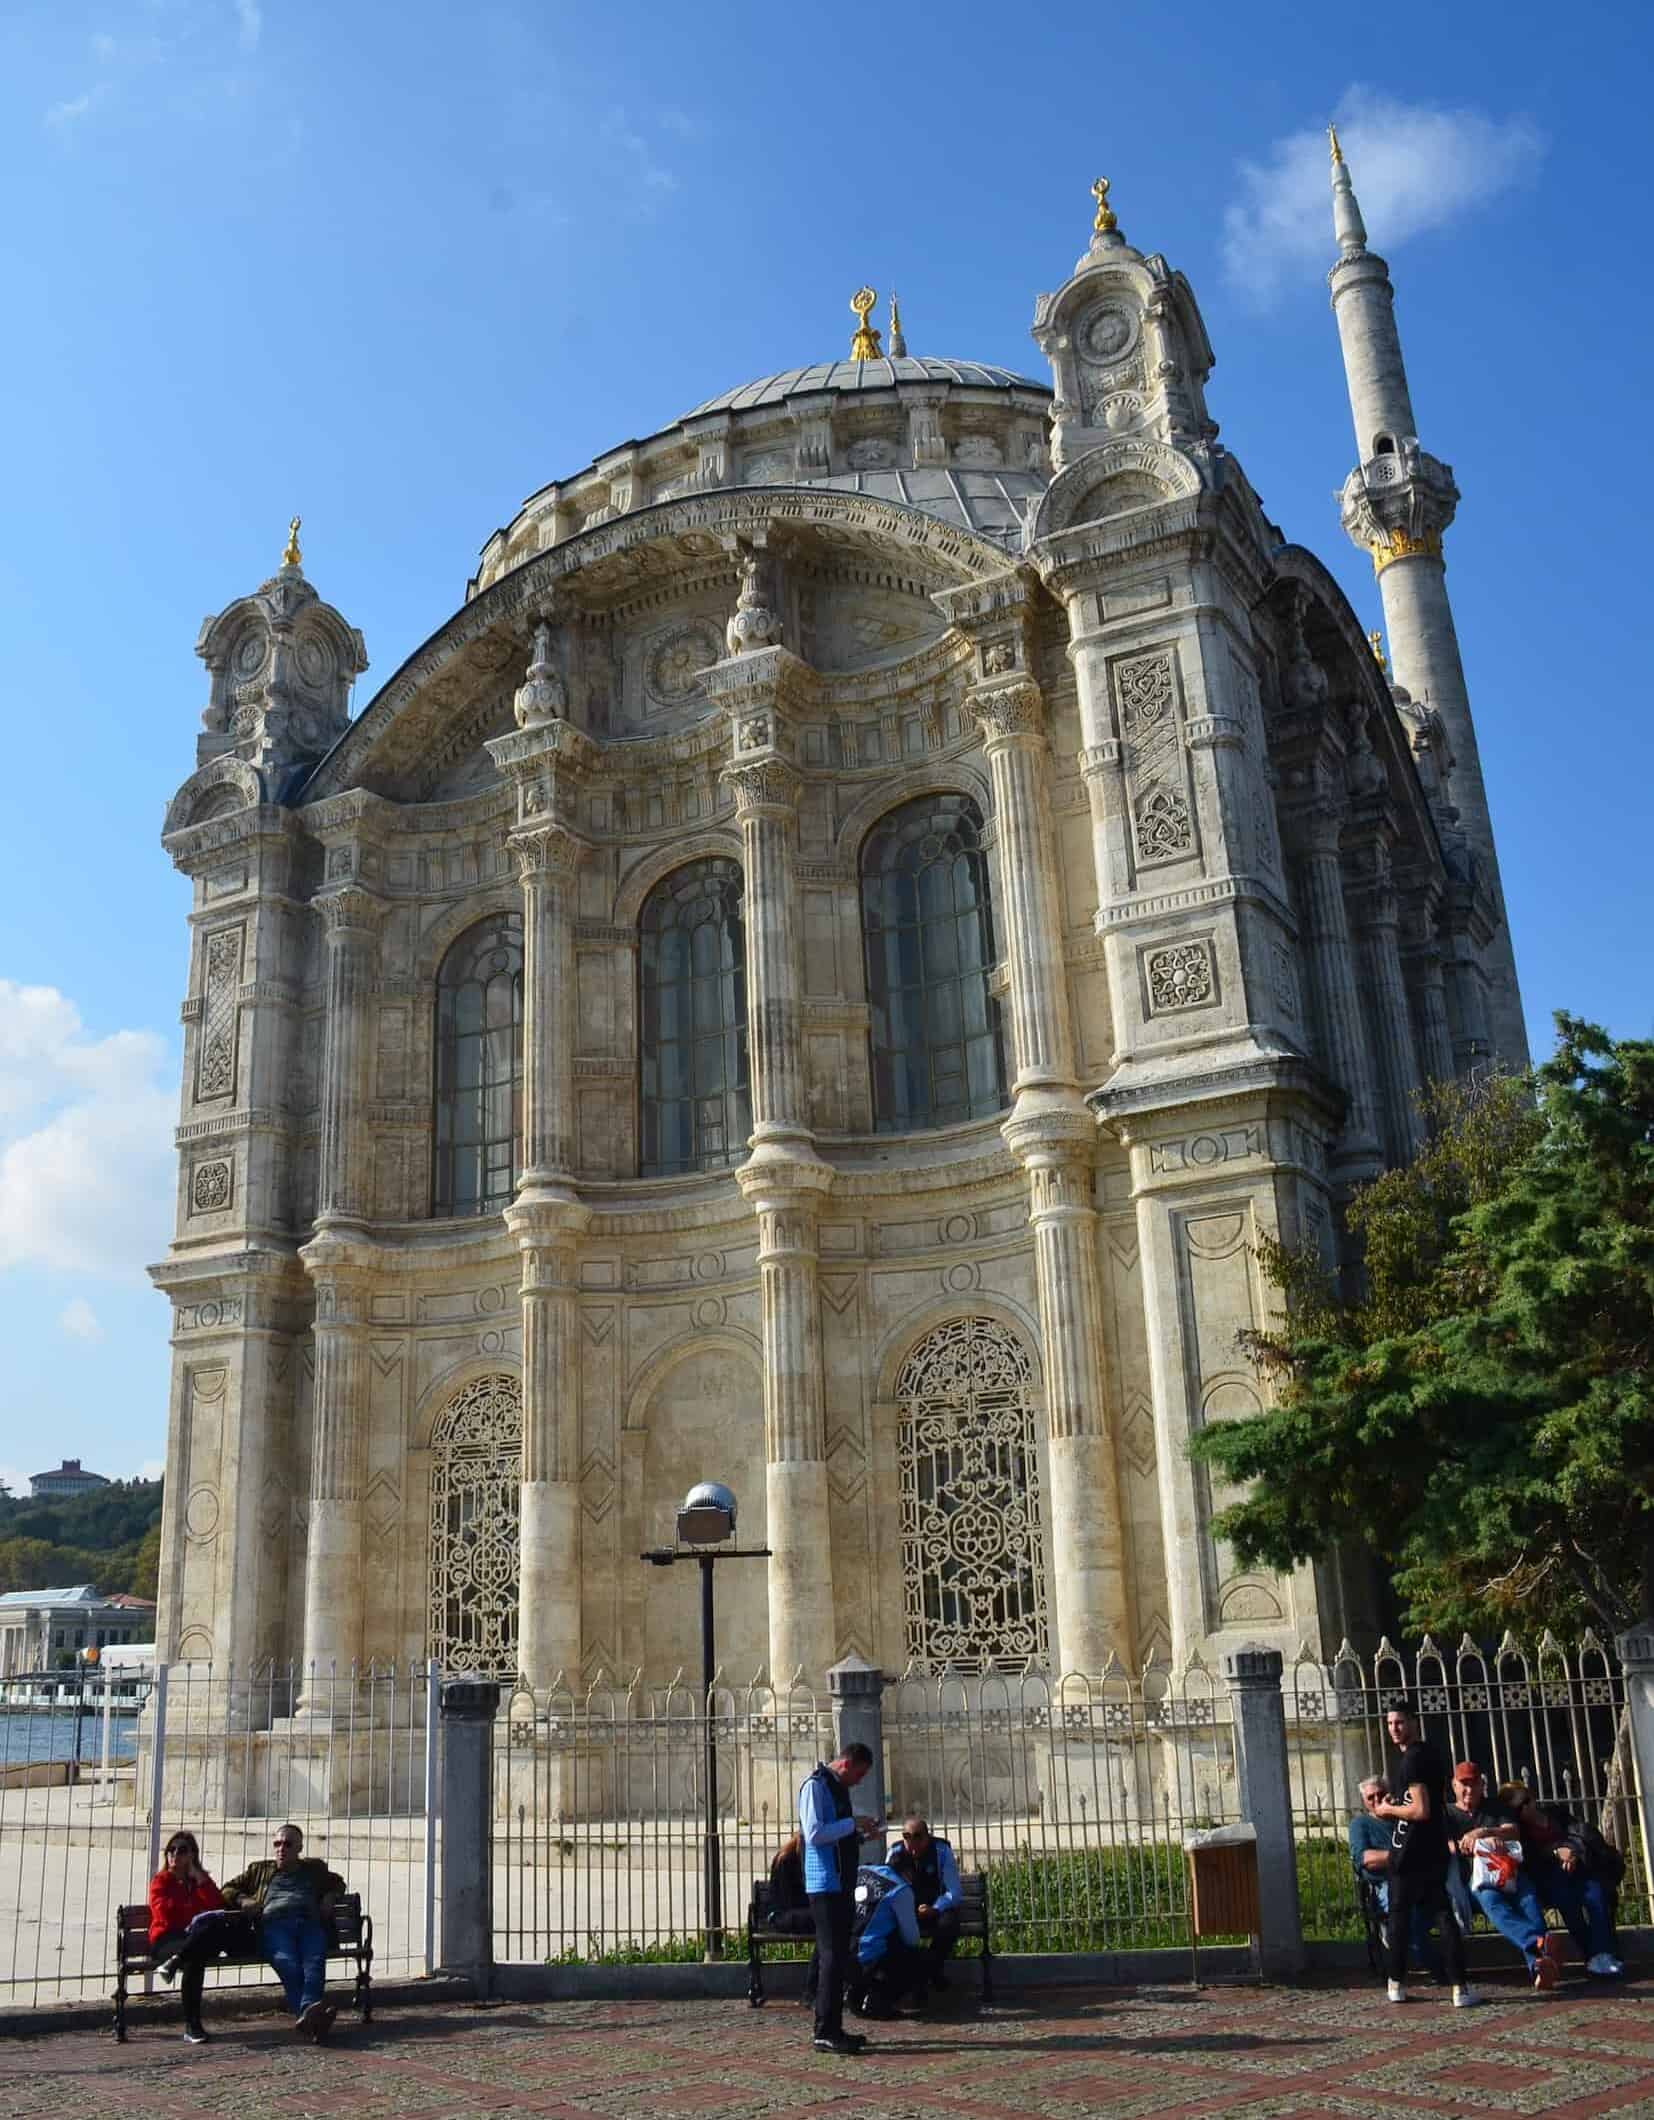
(1396, 505)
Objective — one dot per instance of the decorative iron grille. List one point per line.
(476, 1484)
(973, 1544)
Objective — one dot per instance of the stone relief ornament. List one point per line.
(870, 455)
(752, 623)
(670, 675)
(1180, 976)
(542, 696)
(210, 1187)
(770, 467)
(215, 1074)
(1163, 828)
(1143, 690)
(978, 449)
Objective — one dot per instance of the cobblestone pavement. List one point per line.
(1330, 2048)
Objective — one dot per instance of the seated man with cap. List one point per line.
(936, 1892)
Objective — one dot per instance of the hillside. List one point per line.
(111, 1537)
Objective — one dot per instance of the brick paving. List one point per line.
(1331, 2047)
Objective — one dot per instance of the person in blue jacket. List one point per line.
(832, 1833)
(889, 1962)
(936, 1892)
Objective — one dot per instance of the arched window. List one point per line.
(692, 1017)
(476, 1486)
(479, 1068)
(927, 929)
(973, 1544)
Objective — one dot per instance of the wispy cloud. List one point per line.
(60, 116)
(250, 16)
(86, 1164)
(1417, 166)
(80, 1321)
(633, 157)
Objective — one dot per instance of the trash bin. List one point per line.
(1222, 1866)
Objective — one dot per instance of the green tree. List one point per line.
(1482, 1415)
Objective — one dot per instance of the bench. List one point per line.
(761, 1935)
(352, 1938)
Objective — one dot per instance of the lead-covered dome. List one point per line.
(963, 441)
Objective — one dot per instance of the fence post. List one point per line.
(857, 1688)
(1259, 1712)
(469, 1706)
(1636, 1652)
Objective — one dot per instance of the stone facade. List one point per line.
(1225, 924)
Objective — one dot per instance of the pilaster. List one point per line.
(344, 1272)
(351, 918)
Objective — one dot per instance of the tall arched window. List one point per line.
(476, 1486)
(479, 1068)
(927, 929)
(973, 1544)
(692, 1015)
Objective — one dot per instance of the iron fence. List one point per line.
(1073, 1795)
(601, 1844)
(1551, 1716)
(93, 1780)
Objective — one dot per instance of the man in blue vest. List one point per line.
(832, 1834)
(889, 1963)
(936, 1892)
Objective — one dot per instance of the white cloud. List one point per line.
(251, 18)
(76, 108)
(80, 1320)
(86, 1161)
(1416, 167)
(633, 157)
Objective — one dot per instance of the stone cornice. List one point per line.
(193, 846)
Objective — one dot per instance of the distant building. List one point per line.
(45, 1630)
(71, 1477)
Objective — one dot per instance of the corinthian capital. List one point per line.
(347, 909)
(546, 848)
(763, 787)
(1008, 708)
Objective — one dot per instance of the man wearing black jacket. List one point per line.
(1419, 1854)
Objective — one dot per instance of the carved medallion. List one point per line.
(670, 673)
(1107, 332)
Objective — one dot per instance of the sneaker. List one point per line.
(1466, 1998)
(1547, 1962)
(196, 2035)
(326, 2012)
(838, 2043)
(305, 2021)
(1394, 1991)
(1605, 1966)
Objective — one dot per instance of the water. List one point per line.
(49, 1733)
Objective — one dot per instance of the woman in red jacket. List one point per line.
(178, 1892)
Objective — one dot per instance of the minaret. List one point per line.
(1395, 506)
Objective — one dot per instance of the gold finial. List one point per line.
(1375, 640)
(865, 345)
(1337, 151)
(1107, 220)
(898, 344)
(290, 557)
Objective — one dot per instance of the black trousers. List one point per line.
(832, 1912)
(1427, 1891)
(885, 1981)
(941, 1932)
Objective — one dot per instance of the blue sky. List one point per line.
(394, 267)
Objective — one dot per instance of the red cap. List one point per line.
(1465, 1769)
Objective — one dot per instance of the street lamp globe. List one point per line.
(708, 1514)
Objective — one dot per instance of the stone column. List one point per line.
(1379, 920)
(1053, 1136)
(547, 759)
(339, 1262)
(1326, 930)
(1259, 1722)
(857, 1690)
(469, 1707)
(1636, 1654)
(1427, 982)
(784, 1180)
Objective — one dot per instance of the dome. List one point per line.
(882, 374)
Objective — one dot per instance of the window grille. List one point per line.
(476, 1485)
(479, 1069)
(927, 932)
(696, 1113)
(973, 1541)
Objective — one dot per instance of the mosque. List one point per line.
(816, 976)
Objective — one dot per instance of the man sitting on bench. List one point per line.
(293, 1898)
(936, 1893)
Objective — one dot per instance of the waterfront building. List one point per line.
(47, 1630)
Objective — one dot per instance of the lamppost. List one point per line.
(705, 1520)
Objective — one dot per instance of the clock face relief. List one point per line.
(1108, 332)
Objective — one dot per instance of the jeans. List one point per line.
(297, 1948)
(1581, 1902)
(1422, 1893)
(1516, 1914)
(833, 1912)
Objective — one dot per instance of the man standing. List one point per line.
(293, 1899)
(1419, 1854)
(936, 1894)
(831, 1831)
(1371, 1838)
